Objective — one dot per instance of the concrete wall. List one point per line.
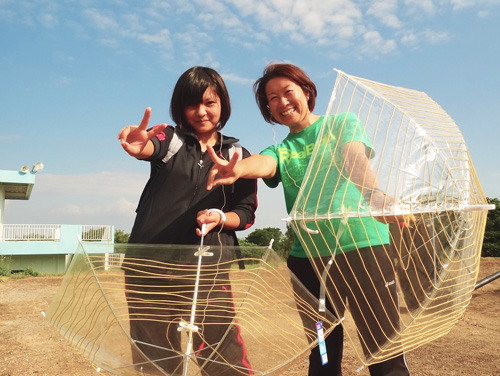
(46, 264)
(50, 256)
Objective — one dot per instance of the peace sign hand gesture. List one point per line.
(135, 140)
(223, 172)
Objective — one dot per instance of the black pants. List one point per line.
(421, 258)
(355, 276)
(160, 296)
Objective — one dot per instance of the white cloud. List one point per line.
(385, 11)
(110, 198)
(417, 6)
(63, 56)
(213, 13)
(374, 44)
(195, 31)
(100, 20)
(410, 39)
(436, 37)
(110, 42)
(231, 77)
(136, 26)
(189, 44)
(61, 82)
(462, 4)
(106, 183)
(48, 20)
(117, 207)
(413, 39)
(303, 20)
(182, 6)
(134, 21)
(4, 138)
(7, 14)
(161, 38)
(104, 198)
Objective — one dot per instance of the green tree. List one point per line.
(253, 243)
(282, 244)
(121, 236)
(286, 242)
(263, 236)
(244, 243)
(491, 243)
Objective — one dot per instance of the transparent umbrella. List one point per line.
(399, 285)
(185, 310)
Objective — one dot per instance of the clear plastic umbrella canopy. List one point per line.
(198, 310)
(417, 284)
(186, 310)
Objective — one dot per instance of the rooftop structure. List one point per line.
(46, 248)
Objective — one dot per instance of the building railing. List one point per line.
(31, 233)
(90, 233)
(96, 233)
(113, 260)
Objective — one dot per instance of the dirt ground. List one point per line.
(29, 345)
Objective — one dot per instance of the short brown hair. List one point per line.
(289, 71)
(189, 90)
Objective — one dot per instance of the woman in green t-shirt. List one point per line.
(286, 95)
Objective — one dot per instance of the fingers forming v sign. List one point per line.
(223, 169)
(134, 139)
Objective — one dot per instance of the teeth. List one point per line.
(288, 112)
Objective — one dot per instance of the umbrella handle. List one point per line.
(303, 225)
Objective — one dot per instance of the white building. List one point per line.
(45, 248)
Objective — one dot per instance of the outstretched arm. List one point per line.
(227, 172)
(136, 140)
(357, 166)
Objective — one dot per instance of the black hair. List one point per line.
(189, 90)
(293, 73)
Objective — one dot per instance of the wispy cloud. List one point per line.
(116, 208)
(188, 42)
(374, 44)
(412, 39)
(118, 29)
(99, 198)
(462, 4)
(101, 20)
(231, 77)
(195, 29)
(385, 12)
(304, 21)
(7, 138)
(48, 20)
(416, 7)
(60, 82)
(106, 183)
(107, 198)
(161, 38)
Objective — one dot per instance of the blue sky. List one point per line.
(73, 73)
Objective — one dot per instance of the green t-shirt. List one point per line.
(292, 157)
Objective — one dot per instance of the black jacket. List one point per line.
(176, 191)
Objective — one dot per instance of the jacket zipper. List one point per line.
(197, 185)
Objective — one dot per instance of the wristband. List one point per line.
(222, 215)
